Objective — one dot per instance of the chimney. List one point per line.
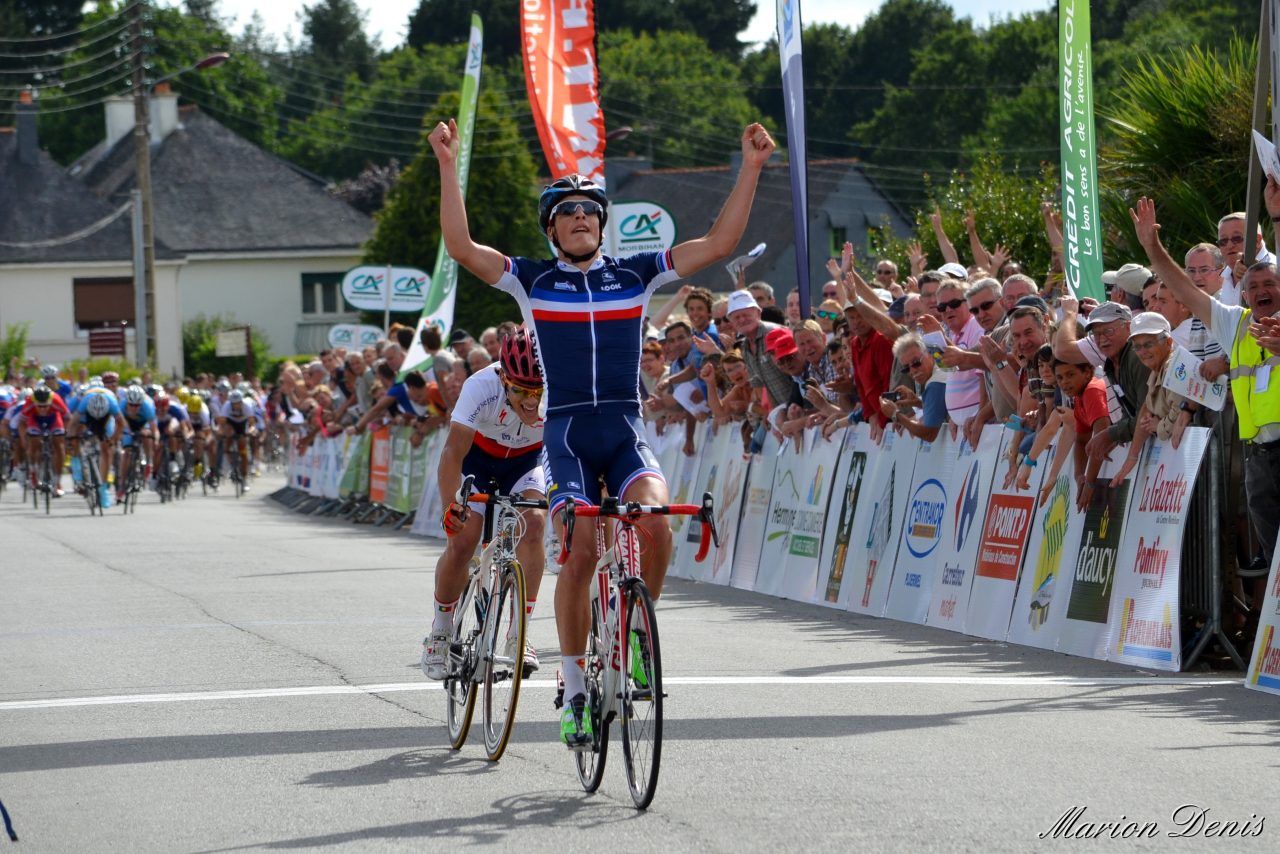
(164, 112)
(28, 139)
(119, 119)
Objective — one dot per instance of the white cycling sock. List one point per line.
(575, 681)
(442, 624)
(528, 615)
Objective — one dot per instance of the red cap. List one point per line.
(781, 343)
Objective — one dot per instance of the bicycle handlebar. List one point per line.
(630, 512)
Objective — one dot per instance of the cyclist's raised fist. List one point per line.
(757, 145)
(444, 140)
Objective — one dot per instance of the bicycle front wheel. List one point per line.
(641, 695)
(504, 659)
(590, 762)
(459, 683)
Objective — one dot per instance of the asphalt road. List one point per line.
(222, 675)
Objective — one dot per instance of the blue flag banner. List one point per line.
(789, 52)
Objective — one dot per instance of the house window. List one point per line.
(102, 302)
(322, 293)
(839, 234)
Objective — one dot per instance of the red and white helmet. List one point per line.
(519, 361)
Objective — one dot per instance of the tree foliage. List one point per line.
(200, 346)
(502, 198)
(683, 102)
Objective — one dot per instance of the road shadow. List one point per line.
(499, 824)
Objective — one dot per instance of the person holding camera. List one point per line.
(921, 410)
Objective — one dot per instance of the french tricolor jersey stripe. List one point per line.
(593, 323)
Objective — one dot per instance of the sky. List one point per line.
(390, 17)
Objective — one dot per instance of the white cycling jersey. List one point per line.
(482, 406)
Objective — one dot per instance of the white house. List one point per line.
(239, 232)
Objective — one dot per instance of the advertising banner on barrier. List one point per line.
(920, 546)
(1144, 608)
(869, 569)
(1046, 573)
(379, 464)
(971, 478)
(1084, 631)
(800, 577)
(725, 481)
(1264, 668)
(846, 492)
(784, 503)
(355, 475)
(685, 534)
(1000, 551)
(427, 521)
(755, 512)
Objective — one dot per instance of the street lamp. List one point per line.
(144, 261)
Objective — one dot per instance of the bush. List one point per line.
(14, 345)
(270, 371)
(99, 365)
(200, 347)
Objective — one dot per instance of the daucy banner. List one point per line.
(441, 296)
(791, 55)
(560, 74)
(1081, 226)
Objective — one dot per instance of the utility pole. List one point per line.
(146, 325)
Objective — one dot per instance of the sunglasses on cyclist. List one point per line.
(827, 315)
(522, 390)
(950, 304)
(571, 207)
(978, 309)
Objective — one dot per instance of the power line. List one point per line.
(64, 35)
(59, 68)
(88, 230)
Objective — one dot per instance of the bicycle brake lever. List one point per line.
(708, 516)
(570, 518)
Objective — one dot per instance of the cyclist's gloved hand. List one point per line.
(454, 517)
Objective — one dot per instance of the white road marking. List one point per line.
(399, 687)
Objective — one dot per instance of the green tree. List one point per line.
(1179, 133)
(684, 102)
(1006, 209)
(501, 206)
(200, 346)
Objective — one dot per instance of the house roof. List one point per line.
(41, 202)
(215, 191)
(697, 195)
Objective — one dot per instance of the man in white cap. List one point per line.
(1129, 280)
(1151, 339)
(744, 316)
(954, 270)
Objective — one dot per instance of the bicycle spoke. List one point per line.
(504, 668)
(460, 696)
(590, 763)
(641, 694)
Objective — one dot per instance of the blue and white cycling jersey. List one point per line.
(173, 411)
(588, 326)
(145, 414)
(82, 408)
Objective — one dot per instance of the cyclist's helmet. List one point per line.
(194, 404)
(42, 395)
(98, 406)
(571, 185)
(81, 389)
(95, 381)
(110, 376)
(236, 396)
(134, 395)
(162, 402)
(519, 361)
(224, 386)
(49, 371)
(154, 391)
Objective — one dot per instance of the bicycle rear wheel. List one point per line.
(641, 700)
(459, 684)
(504, 660)
(46, 473)
(590, 763)
(90, 483)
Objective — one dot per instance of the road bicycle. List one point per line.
(233, 460)
(134, 482)
(623, 661)
(486, 652)
(91, 483)
(6, 461)
(44, 473)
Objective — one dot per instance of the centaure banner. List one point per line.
(1081, 225)
(560, 75)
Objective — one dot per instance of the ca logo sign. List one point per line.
(638, 227)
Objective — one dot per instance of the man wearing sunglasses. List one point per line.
(46, 412)
(586, 311)
(495, 436)
(964, 384)
(1231, 245)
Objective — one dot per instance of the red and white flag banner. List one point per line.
(561, 77)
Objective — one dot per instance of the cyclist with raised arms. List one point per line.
(587, 311)
(495, 435)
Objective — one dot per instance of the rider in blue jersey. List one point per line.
(140, 423)
(586, 311)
